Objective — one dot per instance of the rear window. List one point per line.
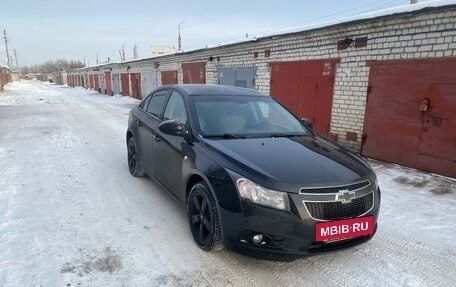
(157, 102)
(144, 103)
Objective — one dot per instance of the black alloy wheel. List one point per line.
(134, 163)
(203, 218)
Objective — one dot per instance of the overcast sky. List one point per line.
(51, 29)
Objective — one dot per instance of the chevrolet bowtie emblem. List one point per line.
(345, 196)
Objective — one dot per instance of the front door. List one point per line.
(169, 150)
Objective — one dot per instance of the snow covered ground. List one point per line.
(71, 214)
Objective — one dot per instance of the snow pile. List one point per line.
(123, 99)
(86, 91)
(116, 99)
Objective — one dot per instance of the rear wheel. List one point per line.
(203, 218)
(134, 162)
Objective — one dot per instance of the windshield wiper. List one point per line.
(226, 136)
(232, 136)
(287, 135)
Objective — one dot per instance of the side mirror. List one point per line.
(308, 123)
(176, 128)
(172, 127)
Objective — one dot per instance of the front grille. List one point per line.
(338, 210)
(336, 189)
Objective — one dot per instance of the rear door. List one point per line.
(148, 121)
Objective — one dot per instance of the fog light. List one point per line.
(257, 239)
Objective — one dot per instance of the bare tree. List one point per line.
(52, 66)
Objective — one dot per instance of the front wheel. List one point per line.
(203, 218)
(134, 162)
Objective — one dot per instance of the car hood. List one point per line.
(288, 163)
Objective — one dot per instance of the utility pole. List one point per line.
(6, 46)
(179, 39)
(122, 53)
(135, 52)
(15, 57)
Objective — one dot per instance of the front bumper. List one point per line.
(289, 235)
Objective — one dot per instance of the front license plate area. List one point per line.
(343, 229)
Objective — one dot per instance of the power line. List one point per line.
(371, 7)
(315, 20)
(230, 11)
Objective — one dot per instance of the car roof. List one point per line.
(211, 89)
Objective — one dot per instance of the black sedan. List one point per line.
(251, 176)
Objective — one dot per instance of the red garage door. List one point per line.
(108, 83)
(194, 73)
(91, 82)
(96, 83)
(125, 84)
(410, 114)
(306, 88)
(135, 79)
(169, 77)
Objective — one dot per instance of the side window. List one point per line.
(175, 110)
(143, 104)
(156, 103)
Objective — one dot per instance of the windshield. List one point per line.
(244, 116)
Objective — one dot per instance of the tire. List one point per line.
(134, 162)
(203, 218)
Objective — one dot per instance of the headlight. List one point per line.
(256, 193)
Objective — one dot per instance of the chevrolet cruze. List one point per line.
(251, 176)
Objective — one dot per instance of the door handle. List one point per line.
(157, 138)
(139, 123)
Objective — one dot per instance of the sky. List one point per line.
(86, 30)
